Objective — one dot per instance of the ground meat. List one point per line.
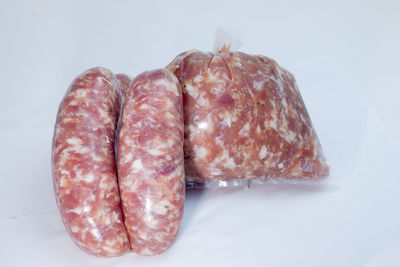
(83, 164)
(150, 161)
(244, 118)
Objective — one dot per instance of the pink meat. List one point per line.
(244, 118)
(150, 161)
(83, 164)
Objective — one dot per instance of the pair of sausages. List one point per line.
(110, 206)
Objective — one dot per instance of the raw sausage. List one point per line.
(83, 164)
(244, 119)
(150, 161)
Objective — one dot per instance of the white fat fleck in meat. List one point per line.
(82, 115)
(219, 140)
(297, 171)
(148, 218)
(236, 63)
(262, 153)
(146, 252)
(229, 164)
(193, 130)
(86, 208)
(173, 214)
(63, 181)
(131, 184)
(215, 171)
(78, 210)
(94, 230)
(136, 125)
(258, 85)
(95, 157)
(218, 89)
(192, 91)
(289, 136)
(91, 197)
(226, 118)
(284, 104)
(159, 237)
(88, 178)
(169, 103)
(144, 106)
(260, 73)
(105, 116)
(245, 130)
(280, 165)
(294, 89)
(74, 141)
(127, 157)
(107, 220)
(200, 151)
(169, 86)
(65, 172)
(280, 87)
(258, 129)
(110, 245)
(155, 152)
(78, 171)
(171, 142)
(271, 162)
(273, 123)
(221, 158)
(104, 183)
(199, 78)
(202, 101)
(137, 164)
(202, 125)
(245, 155)
(75, 229)
(158, 147)
(161, 207)
(178, 172)
(234, 118)
(168, 116)
(81, 92)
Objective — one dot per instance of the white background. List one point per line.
(345, 56)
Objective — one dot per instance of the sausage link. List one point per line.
(83, 164)
(150, 161)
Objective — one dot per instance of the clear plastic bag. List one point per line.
(245, 121)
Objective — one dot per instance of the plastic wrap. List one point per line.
(245, 120)
(150, 161)
(123, 81)
(83, 163)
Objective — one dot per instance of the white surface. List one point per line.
(345, 57)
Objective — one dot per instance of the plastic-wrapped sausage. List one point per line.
(244, 119)
(150, 161)
(83, 164)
